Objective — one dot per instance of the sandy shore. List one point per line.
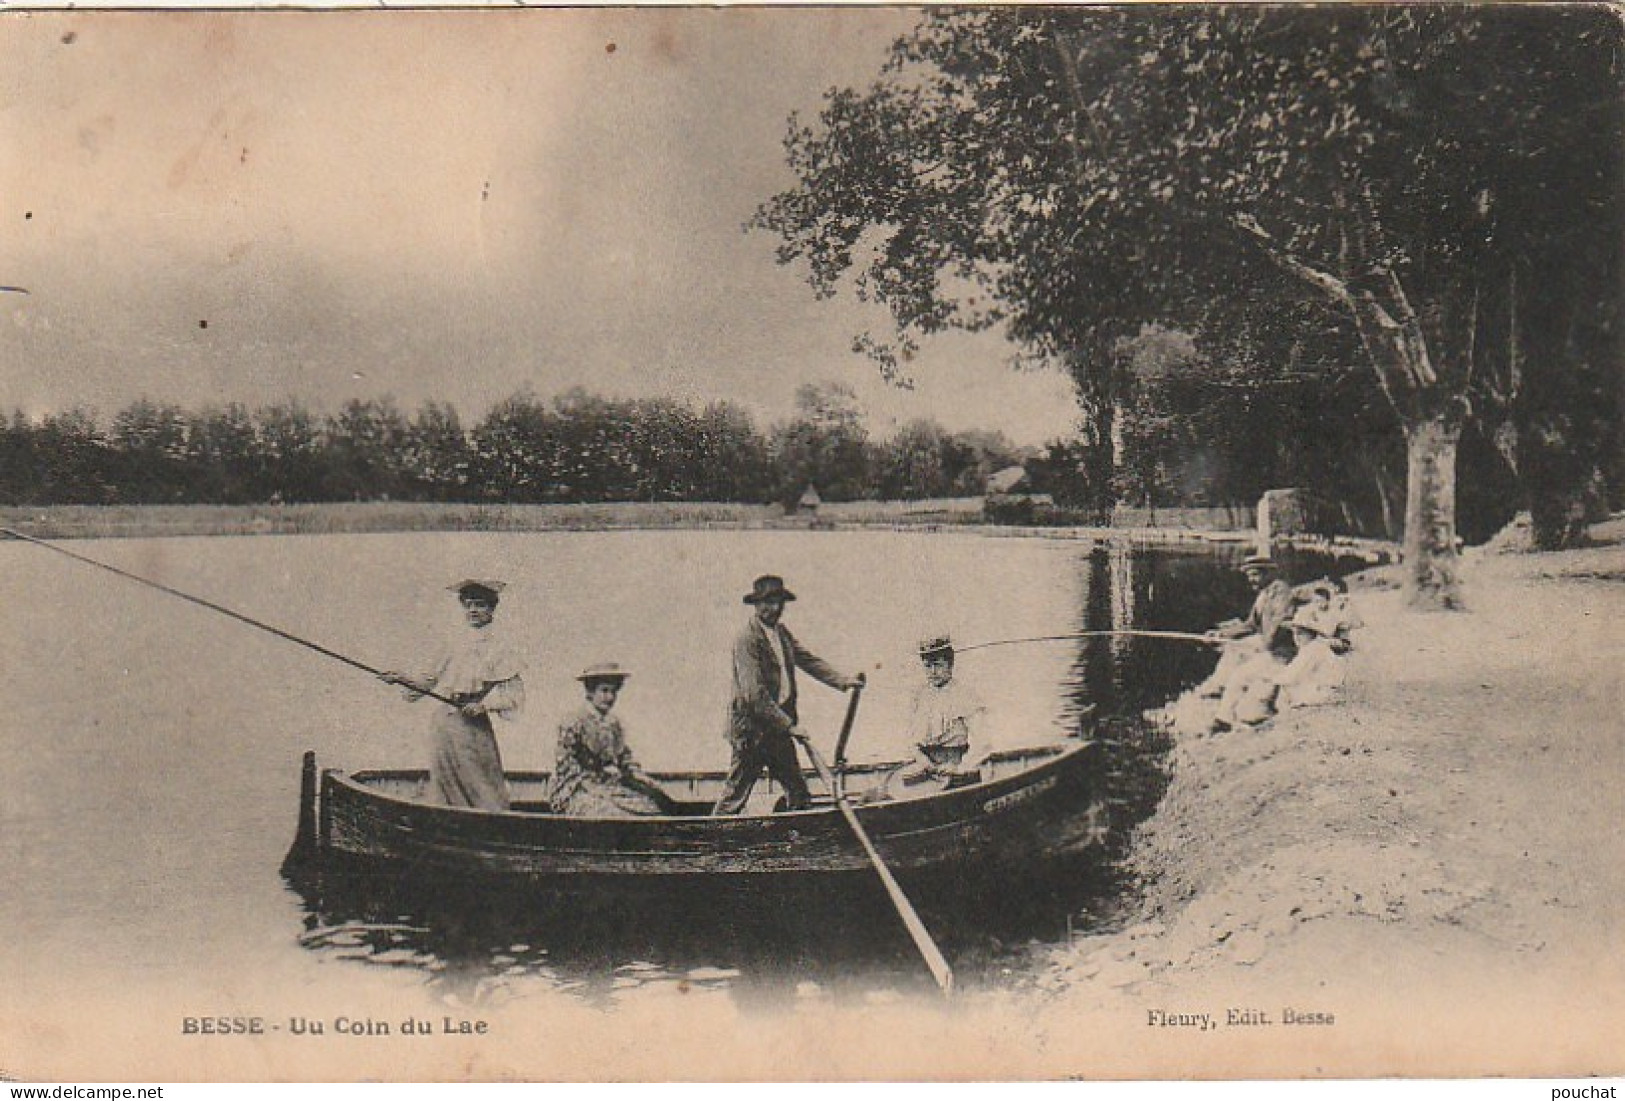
(1429, 875)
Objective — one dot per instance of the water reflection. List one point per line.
(484, 950)
(1115, 673)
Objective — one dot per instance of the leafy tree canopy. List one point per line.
(1070, 174)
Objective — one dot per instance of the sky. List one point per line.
(251, 207)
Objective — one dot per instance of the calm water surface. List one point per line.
(151, 748)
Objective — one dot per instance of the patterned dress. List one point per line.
(595, 775)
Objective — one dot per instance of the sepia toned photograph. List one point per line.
(812, 544)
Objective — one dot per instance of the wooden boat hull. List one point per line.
(370, 825)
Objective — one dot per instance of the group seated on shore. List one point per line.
(1290, 651)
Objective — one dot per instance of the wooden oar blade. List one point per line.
(917, 931)
(934, 959)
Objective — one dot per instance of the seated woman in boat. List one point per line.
(595, 775)
(945, 721)
(483, 676)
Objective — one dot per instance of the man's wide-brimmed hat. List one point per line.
(478, 587)
(768, 587)
(936, 645)
(604, 671)
(1258, 562)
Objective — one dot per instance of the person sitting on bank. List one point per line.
(944, 723)
(482, 675)
(1266, 629)
(1261, 647)
(1321, 628)
(1242, 687)
(762, 718)
(595, 774)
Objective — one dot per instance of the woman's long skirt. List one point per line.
(465, 768)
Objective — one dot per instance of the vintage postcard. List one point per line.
(782, 543)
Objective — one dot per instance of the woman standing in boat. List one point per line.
(595, 775)
(484, 678)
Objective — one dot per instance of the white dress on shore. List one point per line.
(1317, 675)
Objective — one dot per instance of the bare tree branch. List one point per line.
(1325, 282)
(1418, 363)
(1382, 335)
(1067, 52)
(1472, 337)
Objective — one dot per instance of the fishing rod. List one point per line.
(213, 607)
(1130, 632)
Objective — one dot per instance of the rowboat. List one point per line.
(367, 830)
(1021, 807)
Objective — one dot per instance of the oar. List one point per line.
(213, 607)
(1130, 632)
(846, 732)
(905, 909)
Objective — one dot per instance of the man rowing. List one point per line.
(762, 717)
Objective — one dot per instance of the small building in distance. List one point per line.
(1009, 498)
(1008, 480)
(809, 502)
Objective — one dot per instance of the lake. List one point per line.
(152, 747)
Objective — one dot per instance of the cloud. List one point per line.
(448, 205)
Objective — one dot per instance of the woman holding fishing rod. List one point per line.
(945, 722)
(477, 677)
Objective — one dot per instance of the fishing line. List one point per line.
(1177, 636)
(213, 607)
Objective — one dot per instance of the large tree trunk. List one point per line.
(1095, 370)
(1388, 519)
(1385, 501)
(1560, 509)
(1432, 574)
(1429, 394)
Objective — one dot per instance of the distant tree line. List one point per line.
(1192, 428)
(577, 448)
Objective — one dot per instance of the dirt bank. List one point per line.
(1431, 875)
